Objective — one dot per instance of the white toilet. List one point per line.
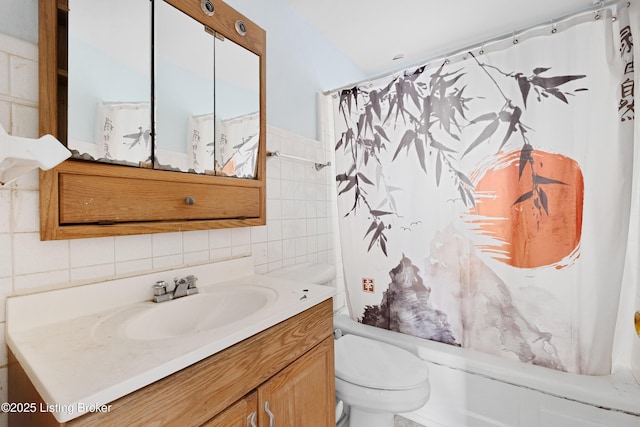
(378, 380)
(375, 380)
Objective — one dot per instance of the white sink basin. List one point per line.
(211, 309)
(197, 313)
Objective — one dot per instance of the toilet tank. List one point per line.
(315, 273)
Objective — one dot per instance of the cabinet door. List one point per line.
(240, 414)
(302, 394)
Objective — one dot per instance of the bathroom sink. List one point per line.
(197, 313)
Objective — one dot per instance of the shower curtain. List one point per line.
(123, 132)
(236, 152)
(200, 142)
(484, 200)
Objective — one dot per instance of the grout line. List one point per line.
(20, 101)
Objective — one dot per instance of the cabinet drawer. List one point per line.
(107, 199)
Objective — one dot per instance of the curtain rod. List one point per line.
(597, 7)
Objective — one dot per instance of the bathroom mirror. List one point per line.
(184, 91)
(86, 198)
(205, 90)
(237, 107)
(109, 81)
(207, 93)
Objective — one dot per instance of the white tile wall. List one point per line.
(298, 216)
(18, 115)
(300, 222)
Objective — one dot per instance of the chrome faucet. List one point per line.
(182, 287)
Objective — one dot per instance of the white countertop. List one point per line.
(60, 341)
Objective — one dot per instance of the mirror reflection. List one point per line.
(109, 81)
(205, 114)
(237, 105)
(207, 98)
(184, 88)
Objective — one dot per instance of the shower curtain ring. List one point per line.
(481, 49)
(599, 11)
(554, 29)
(515, 40)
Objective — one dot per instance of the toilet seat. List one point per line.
(377, 365)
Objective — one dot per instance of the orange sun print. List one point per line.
(533, 212)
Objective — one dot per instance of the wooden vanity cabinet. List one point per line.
(296, 396)
(290, 366)
(81, 199)
(243, 413)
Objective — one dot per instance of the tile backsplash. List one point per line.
(301, 223)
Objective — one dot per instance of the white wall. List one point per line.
(300, 226)
(17, 20)
(300, 63)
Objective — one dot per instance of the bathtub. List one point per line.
(473, 389)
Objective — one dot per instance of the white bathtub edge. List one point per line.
(618, 391)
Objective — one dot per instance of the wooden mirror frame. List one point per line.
(80, 199)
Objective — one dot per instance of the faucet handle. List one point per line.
(159, 288)
(191, 280)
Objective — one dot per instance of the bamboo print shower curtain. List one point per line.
(484, 203)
